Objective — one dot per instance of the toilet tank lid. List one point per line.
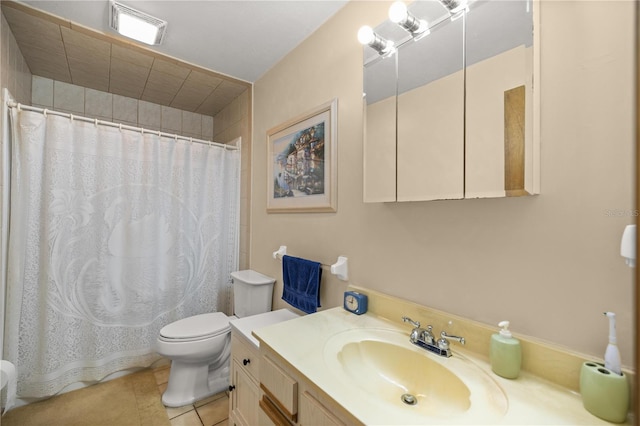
(197, 326)
(252, 277)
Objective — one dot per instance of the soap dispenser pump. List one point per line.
(505, 353)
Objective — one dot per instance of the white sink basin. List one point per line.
(414, 384)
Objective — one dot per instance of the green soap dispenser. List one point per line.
(505, 353)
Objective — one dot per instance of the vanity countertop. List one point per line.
(246, 325)
(301, 343)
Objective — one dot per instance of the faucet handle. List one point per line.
(446, 336)
(416, 324)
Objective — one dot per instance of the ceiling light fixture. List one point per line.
(136, 25)
(367, 36)
(399, 14)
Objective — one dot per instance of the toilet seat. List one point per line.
(195, 328)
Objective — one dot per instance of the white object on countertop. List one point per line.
(8, 380)
(246, 325)
(628, 245)
(612, 359)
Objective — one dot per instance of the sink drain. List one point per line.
(409, 399)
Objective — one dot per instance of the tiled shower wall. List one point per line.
(92, 103)
(15, 76)
(232, 122)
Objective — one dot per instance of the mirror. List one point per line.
(379, 99)
(499, 99)
(449, 115)
(430, 120)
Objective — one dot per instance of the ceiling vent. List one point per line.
(137, 25)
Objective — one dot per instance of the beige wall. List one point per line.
(549, 263)
(232, 122)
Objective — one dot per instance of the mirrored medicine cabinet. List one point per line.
(451, 114)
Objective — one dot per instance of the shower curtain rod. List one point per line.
(13, 104)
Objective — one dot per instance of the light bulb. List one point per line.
(398, 12)
(365, 35)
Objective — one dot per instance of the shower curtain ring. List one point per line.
(44, 112)
(20, 107)
(96, 122)
(120, 126)
(71, 117)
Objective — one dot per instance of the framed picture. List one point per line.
(301, 162)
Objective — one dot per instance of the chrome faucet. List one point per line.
(425, 339)
(443, 342)
(420, 334)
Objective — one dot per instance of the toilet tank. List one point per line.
(252, 293)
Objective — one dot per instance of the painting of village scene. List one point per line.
(301, 163)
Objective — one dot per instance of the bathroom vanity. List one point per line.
(245, 364)
(335, 368)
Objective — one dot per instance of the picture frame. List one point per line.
(302, 172)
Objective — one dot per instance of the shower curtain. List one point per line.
(113, 234)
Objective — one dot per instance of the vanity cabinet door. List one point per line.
(245, 393)
(244, 397)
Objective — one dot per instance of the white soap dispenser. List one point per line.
(505, 353)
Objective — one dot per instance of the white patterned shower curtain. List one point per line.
(113, 234)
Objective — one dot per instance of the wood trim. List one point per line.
(635, 400)
(269, 408)
(514, 128)
(278, 405)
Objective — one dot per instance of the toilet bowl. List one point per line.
(200, 346)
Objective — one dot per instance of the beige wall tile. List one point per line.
(131, 56)
(171, 119)
(157, 96)
(207, 126)
(192, 124)
(68, 97)
(125, 109)
(169, 68)
(98, 104)
(149, 115)
(42, 91)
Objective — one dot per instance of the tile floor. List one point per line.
(213, 411)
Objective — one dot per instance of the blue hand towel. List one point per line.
(301, 283)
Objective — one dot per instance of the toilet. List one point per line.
(199, 347)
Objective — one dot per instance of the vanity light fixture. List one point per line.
(398, 14)
(135, 24)
(367, 36)
(454, 7)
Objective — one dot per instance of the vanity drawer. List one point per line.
(246, 355)
(279, 387)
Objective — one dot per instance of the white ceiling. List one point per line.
(240, 38)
